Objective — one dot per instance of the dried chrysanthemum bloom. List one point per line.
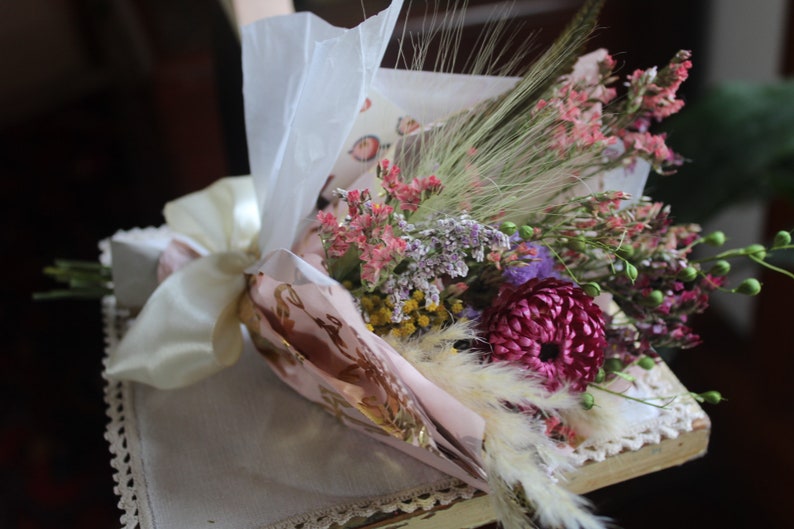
(549, 327)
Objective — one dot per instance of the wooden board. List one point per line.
(477, 511)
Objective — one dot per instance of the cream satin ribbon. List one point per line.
(189, 328)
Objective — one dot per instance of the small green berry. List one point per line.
(755, 250)
(592, 289)
(749, 287)
(588, 401)
(689, 273)
(653, 299)
(712, 397)
(612, 365)
(508, 228)
(631, 272)
(720, 268)
(577, 244)
(782, 238)
(526, 232)
(600, 376)
(646, 362)
(716, 238)
(626, 251)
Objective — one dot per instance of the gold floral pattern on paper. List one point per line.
(341, 409)
(338, 350)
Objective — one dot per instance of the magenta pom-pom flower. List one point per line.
(550, 327)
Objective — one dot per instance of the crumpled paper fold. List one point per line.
(304, 83)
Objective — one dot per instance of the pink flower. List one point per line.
(593, 70)
(559, 431)
(353, 199)
(550, 327)
(411, 194)
(374, 259)
(336, 237)
(408, 195)
(654, 91)
(381, 253)
(576, 105)
(615, 223)
(652, 147)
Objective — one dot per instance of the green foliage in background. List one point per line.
(739, 143)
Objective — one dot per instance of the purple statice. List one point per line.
(440, 249)
(470, 313)
(534, 261)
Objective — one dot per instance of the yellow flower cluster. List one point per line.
(416, 316)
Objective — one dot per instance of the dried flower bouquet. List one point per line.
(485, 275)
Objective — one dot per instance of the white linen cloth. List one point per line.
(242, 450)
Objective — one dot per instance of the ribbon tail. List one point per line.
(189, 328)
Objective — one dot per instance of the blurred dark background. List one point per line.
(109, 108)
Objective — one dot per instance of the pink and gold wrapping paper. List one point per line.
(312, 334)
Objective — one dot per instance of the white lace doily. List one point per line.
(184, 458)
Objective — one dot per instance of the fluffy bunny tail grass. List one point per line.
(521, 461)
(525, 493)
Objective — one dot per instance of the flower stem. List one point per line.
(635, 399)
(771, 266)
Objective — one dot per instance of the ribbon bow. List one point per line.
(189, 328)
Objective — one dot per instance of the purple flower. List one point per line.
(536, 262)
(441, 249)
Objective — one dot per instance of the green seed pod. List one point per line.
(508, 228)
(653, 299)
(782, 238)
(689, 273)
(588, 401)
(749, 287)
(600, 376)
(631, 272)
(646, 362)
(526, 233)
(626, 251)
(613, 364)
(716, 238)
(592, 289)
(577, 244)
(712, 397)
(756, 250)
(720, 268)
